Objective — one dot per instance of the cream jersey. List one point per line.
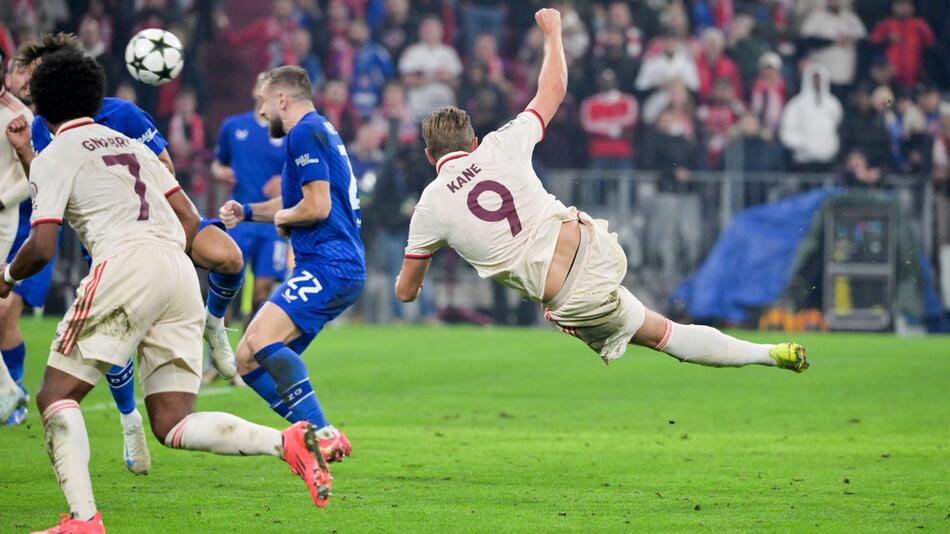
(13, 182)
(490, 206)
(111, 189)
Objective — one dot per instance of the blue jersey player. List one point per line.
(319, 210)
(250, 161)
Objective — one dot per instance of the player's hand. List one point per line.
(549, 20)
(18, 133)
(272, 187)
(231, 214)
(4, 286)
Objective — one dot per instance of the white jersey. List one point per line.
(111, 189)
(13, 183)
(491, 208)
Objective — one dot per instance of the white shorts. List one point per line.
(9, 219)
(592, 305)
(145, 299)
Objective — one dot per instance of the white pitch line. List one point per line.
(211, 392)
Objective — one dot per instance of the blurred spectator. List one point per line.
(480, 17)
(97, 12)
(810, 122)
(754, 149)
(271, 37)
(485, 102)
(573, 33)
(372, 68)
(858, 172)
(833, 33)
(307, 59)
(747, 47)
(614, 55)
(485, 52)
(881, 73)
(713, 13)
(339, 55)
(768, 93)
(713, 64)
(674, 231)
(609, 118)
(718, 117)
(673, 62)
(619, 30)
(395, 109)
(928, 100)
(907, 130)
(91, 41)
(365, 155)
(335, 106)
(186, 135)
(941, 177)
(398, 27)
(864, 129)
(430, 70)
(906, 37)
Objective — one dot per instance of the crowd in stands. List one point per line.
(835, 86)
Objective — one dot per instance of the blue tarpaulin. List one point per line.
(751, 263)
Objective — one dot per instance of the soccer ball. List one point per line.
(154, 56)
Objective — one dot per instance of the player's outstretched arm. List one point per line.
(36, 252)
(552, 82)
(187, 214)
(410, 279)
(233, 213)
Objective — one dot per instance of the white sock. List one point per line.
(223, 433)
(707, 346)
(131, 419)
(68, 446)
(6, 381)
(213, 322)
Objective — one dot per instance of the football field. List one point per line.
(485, 430)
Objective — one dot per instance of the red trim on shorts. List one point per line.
(538, 115)
(666, 335)
(418, 256)
(59, 406)
(44, 220)
(76, 310)
(438, 168)
(172, 191)
(69, 342)
(75, 125)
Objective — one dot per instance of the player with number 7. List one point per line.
(488, 204)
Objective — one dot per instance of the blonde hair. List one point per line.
(448, 129)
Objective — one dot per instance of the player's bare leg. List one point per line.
(263, 287)
(705, 345)
(177, 425)
(279, 375)
(214, 250)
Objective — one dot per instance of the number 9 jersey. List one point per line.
(109, 187)
(490, 206)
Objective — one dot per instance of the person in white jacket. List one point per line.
(810, 122)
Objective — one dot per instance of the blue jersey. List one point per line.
(245, 145)
(316, 152)
(120, 115)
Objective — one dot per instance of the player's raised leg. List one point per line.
(705, 345)
(13, 348)
(12, 397)
(121, 379)
(214, 250)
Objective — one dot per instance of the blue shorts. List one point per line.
(210, 222)
(33, 290)
(265, 252)
(312, 298)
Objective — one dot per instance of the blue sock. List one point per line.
(14, 359)
(121, 380)
(264, 385)
(222, 288)
(289, 372)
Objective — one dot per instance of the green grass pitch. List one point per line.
(486, 430)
